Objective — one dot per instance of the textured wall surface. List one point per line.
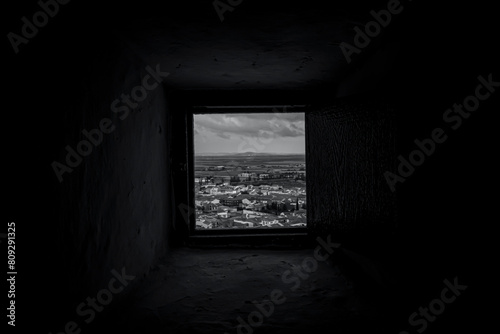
(350, 145)
(114, 211)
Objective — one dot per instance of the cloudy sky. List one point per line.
(282, 133)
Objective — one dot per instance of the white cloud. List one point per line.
(274, 132)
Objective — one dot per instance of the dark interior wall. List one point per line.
(350, 144)
(114, 205)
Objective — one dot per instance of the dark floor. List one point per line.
(206, 290)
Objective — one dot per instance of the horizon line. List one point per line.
(256, 153)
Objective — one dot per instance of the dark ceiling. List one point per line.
(262, 44)
(258, 45)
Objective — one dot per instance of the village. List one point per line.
(274, 199)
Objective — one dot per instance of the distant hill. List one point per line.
(253, 154)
